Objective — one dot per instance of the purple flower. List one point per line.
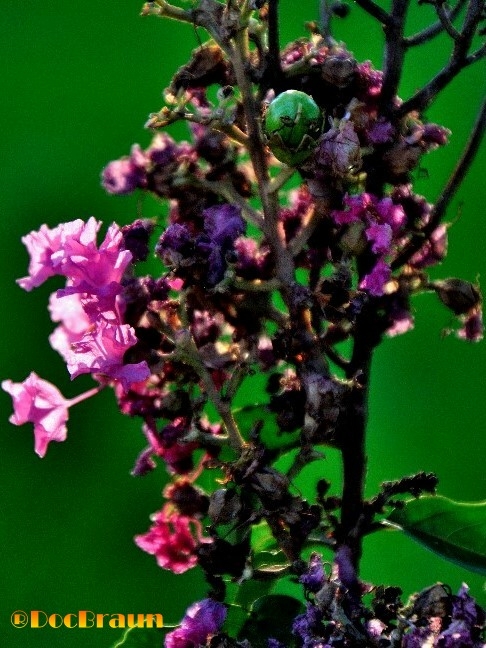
(175, 245)
(313, 579)
(308, 625)
(375, 281)
(380, 236)
(201, 620)
(380, 132)
(223, 224)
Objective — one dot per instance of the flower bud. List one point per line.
(224, 506)
(458, 295)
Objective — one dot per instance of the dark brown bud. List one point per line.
(224, 506)
(339, 69)
(206, 67)
(458, 295)
(270, 484)
(188, 499)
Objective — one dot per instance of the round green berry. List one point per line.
(292, 124)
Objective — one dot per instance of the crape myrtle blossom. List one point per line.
(383, 221)
(92, 337)
(173, 539)
(39, 402)
(70, 250)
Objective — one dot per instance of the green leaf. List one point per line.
(262, 538)
(454, 530)
(271, 616)
(270, 435)
(142, 638)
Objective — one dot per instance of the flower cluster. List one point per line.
(257, 276)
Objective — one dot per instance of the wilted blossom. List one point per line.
(339, 150)
(39, 402)
(202, 619)
(179, 248)
(433, 250)
(171, 445)
(472, 325)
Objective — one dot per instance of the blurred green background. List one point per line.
(79, 80)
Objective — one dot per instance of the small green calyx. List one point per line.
(292, 124)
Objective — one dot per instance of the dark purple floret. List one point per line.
(308, 625)
(201, 620)
(136, 238)
(175, 244)
(223, 224)
(416, 638)
(313, 579)
(274, 643)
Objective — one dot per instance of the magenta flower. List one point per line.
(172, 540)
(101, 350)
(202, 619)
(39, 402)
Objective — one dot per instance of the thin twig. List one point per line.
(273, 63)
(450, 189)
(433, 30)
(458, 61)
(446, 22)
(394, 54)
(374, 10)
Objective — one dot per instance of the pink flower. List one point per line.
(41, 403)
(74, 323)
(71, 250)
(171, 540)
(101, 349)
(45, 250)
(95, 270)
(472, 329)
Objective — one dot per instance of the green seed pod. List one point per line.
(292, 124)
